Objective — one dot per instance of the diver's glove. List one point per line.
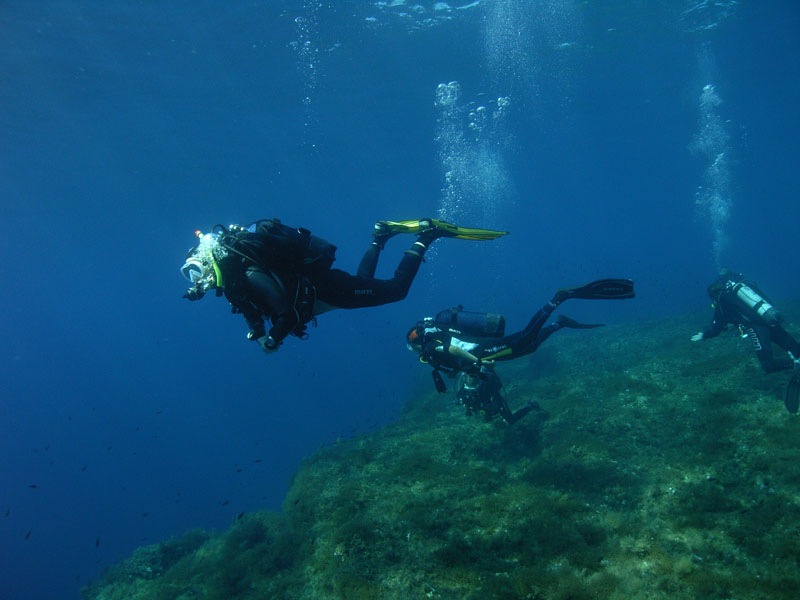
(697, 337)
(474, 368)
(477, 368)
(268, 344)
(194, 293)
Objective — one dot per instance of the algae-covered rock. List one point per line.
(661, 470)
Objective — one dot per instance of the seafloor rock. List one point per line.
(664, 470)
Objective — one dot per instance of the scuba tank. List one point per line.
(753, 305)
(463, 322)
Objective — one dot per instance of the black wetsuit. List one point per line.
(436, 346)
(727, 312)
(290, 295)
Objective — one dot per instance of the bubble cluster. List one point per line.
(471, 139)
(419, 15)
(704, 15)
(523, 39)
(308, 59)
(712, 141)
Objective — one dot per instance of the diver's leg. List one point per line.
(762, 343)
(522, 342)
(343, 290)
(512, 418)
(782, 338)
(340, 289)
(369, 262)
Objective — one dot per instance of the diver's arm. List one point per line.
(717, 325)
(282, 325)
(462, 354)
(270, 298)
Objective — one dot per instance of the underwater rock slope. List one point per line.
(665, 470)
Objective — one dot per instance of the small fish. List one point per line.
(108, 448)
(258, 460)
(239, 516)
(33, 485)
(97, 543)
(83, 468)
(225, 502)
(239, 470)
(8, 512)
(144, 515)
(27, 535)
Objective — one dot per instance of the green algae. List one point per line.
(665, 470)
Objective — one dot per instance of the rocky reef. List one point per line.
(662, 469)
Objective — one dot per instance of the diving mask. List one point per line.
(193, 270)
(202, 278)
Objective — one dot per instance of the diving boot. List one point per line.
(383, 232)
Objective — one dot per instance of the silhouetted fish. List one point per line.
(97, 543)
(33, 485)
(239, 516)
(83, 468)
(27, 535)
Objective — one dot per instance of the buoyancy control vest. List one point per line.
(752, 304)
(291, 256)
(460, 322)
(276, 247)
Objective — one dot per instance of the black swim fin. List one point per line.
(573, 324)
(792, 399)
(602, 289)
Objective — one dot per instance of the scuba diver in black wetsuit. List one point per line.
(269, 271)
(741, 303)
(465, 345)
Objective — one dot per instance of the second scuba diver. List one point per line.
(741, 303)
(269, 271)
(465, 346)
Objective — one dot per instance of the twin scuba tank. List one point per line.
(752, 304)
(464, 323)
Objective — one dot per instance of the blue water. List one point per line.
(126, 125)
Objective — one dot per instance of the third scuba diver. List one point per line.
(269, 271)
(741, 303)
(465, 346)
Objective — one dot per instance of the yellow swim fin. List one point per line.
(447, 229)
